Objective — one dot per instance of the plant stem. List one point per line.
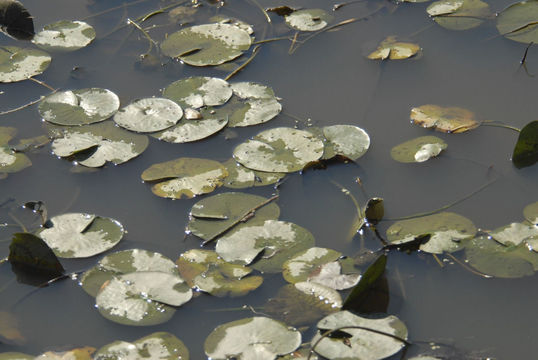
(495, 124)
(270, 40)
(113, 9)
(468, 268)
(25, 105)
(257, 4)
(42, 84)
(254, 53)
(151, 41)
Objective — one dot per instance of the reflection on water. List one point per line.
(328, 80)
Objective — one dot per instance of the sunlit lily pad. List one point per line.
(345, 140)
(84, 353)
(257, 104)
(185, 177)
(279, 150)
(123, 262)
(191, 130)
(10, 161)
(459, 14)
(445, 119)
(518, 22)
(361, 344)
(78, 235)
(217, 214)
(65, 35)
(308, 19)
(207, 44)
(251, 338)
(204, 270)
(159, 345)
(447, 231)
(526, 149)
(515, 234)
(149, 115)
(277, 239)
(418, 150)
(17, 64)
(198, 91)
(394, 50)
(79, 107)
(108, 142)
(240, 177)
(531, 213)
(142, 298)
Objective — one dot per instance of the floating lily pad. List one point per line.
(217, 214)
(78, 235)
(394, 50)
(418, 150)
(447, 231)
(526, 149)
(445, 119)
(531, 213)
(240, 177)
(17, 64)
(109, 143)
(124, 262)
(149, 115)
(279, 150)
(65, 35)
(16, 356)
(515, 234)
(191, 130)
(518, 22)
(251, 338)
(258, 104)
(207, 44)
(277, 239)
(15, 20)
(198, 91)
(79, 107)
(204, 270)
(308, 19)
(459, 14)
(185, 177)
(10, 161)
(349, 141)
(84, 353)
(159, 345)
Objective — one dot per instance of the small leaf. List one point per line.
(308, 19)
(418, 150)
(375, 210)
(445, 119)
(526, 149)
(394, 50)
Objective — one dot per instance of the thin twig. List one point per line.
(293, 42)
(257, 4)
(151, 41)
(270, 40)
(42, 84)
(25, 105)
(522, 62)
(254, 53)
(441, 265)
(113, 9)
(468, 268)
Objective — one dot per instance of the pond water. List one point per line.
(326, 81)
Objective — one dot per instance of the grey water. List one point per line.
(327, 80)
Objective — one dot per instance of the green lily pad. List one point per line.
(447, 231)
(16, 356)
(308, 19)
(149, 115)
(515, 234)
(10, 161)
(445, 119)
(279, 150)
(459, 14)
(78, 235)
(240, 177)
(526, 149)
(360, 344)
(17, 64)
(65, 35)
(124, 262)
(198, 91)
(349, 141)
(531, 213)
(159, 345)
(251, 338)
(418, 150)
(207, 44)
(79, 107)
(185, 177)
(255, 104)
(191, 130)
(518, 22)
(142, 298)
(215, 215)
(109, 142)
(204, 270)
(394, 50)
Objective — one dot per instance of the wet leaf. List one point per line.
(257, 104)
(459, 14)
(251, 338)
(518, 22)
(531, 213)
(149, 115)
(394, 50)
(9, 329)
(79, 235)
(79, 107)
(515, 234)
(447, 231)
(240, 177)
(374, 210)
(185, 177)
(10, 161)
(526, 149)
(198, 91)
(15, 20)
(418, 150)
(191, 130)
(17, 64)
(204, 270)
(64, 35)
(349, 141)
(445, 119)
(159, 345)
(308, 19)
(359, 294)
(207, 44)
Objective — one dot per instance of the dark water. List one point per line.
(328, 80)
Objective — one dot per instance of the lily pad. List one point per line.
(531, 213)
(394, 50)
(518, 22)
(124, 262)
(198, 91)
(78, 235)
(515, 234)
(445, 119)
(142, 298)
(257, 104)
(204, 270)
(240, 177)
(84, 353)
(279, 150)
(191, 130)
(17, 64)
(459, 14)
(149, 115)
(360, 344)
(526, 149)
(447, 231)
(349, 141)
(418, 150)
(159, 345)
(10, 161)
(251, 338)
(185, 177)
(79, 107)
(65, 35)
(108, 142)
(207, 44)
(15, 20)
(308, 19)
(16, 356)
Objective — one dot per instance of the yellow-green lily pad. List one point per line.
(445, 119)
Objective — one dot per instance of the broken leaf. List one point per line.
(149, 115)
(445, 119)
(17, 64)
(518, 22)
(308, 19)
(64, 35)
(418, 150)
(394, 50)
(159, 345)
(526, 149)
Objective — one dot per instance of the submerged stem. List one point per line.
(468, 268)
(501, 125)
(151, 41)
(257, 4)
(242, 66)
